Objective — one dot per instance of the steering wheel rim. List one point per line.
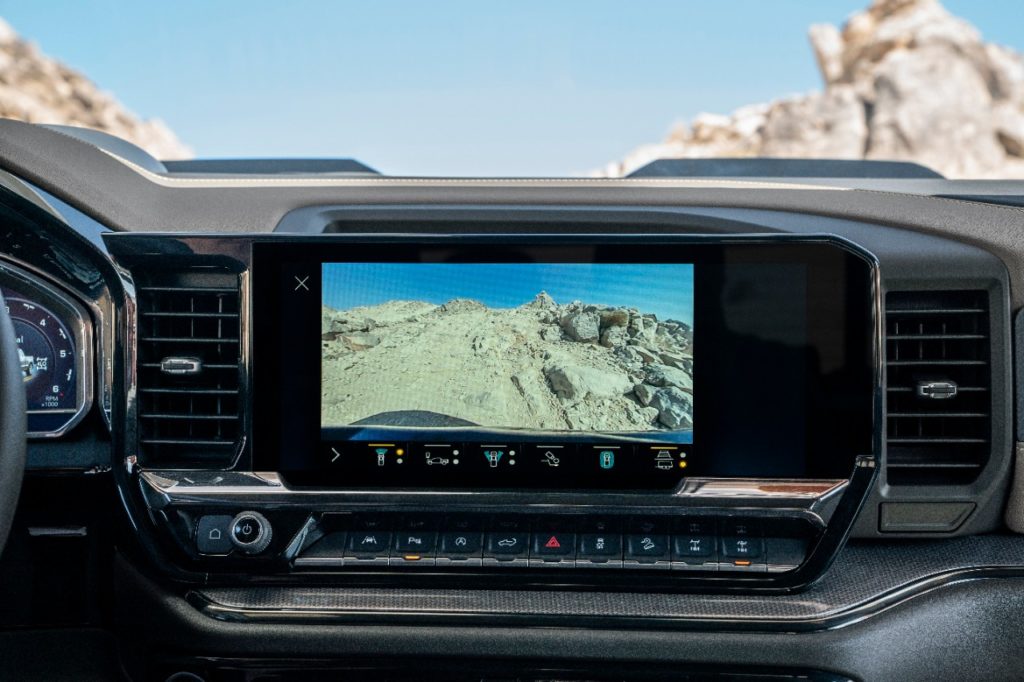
(12, 425)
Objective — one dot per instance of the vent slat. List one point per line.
(934, 465)
(935, 337)
(938, 415)
(939, 338)
(186, 339)
(189, 290)
(189, 419)
(189, 391)
(961, 389)
(894, 311)
(916, 441)
(188, 442)
(171, 415)
(936, 363)
(226, 316)
(156, 365)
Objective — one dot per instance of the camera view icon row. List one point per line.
(502, 464)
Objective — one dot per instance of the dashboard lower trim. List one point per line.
(211, 603)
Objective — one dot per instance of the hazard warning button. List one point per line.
(553, 544)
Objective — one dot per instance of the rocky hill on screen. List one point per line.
(542, 366)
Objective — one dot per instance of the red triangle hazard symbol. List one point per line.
(553, 543)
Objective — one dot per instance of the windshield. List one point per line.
(530, 88)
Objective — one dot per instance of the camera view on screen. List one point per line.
(537, 346)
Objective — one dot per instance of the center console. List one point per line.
(529, 409)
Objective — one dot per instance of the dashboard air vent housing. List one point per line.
(188, 369)
(938, 386)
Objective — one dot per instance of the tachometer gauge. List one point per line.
(53, 336)
(46, 351)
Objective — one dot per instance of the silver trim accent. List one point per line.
(180, 366)
(937, 390)
(166, 180)
(165, 487)
(58, 531)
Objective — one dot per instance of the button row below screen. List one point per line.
(699, 544)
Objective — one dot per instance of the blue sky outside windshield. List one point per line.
(663, 289)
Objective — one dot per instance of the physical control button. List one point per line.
(510, 544)
(600, 546)
(554, 544)
(251, 532)
(369, 538)
(460, 543)
(647, 547)
(694, 541)
(213, 534)
(417, 542)
(740, 539)
(742, 547)
(647, 542)
(507, 539)
(693, 546)
(415, 537)
(369, 543)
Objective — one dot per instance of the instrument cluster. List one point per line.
(54, 338)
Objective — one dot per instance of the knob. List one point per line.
(251, 532)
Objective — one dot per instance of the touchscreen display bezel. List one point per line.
(844, 336)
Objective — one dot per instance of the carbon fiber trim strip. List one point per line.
(865, 579)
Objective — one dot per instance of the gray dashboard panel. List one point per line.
(124, 199)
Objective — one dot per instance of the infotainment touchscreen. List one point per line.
(560, 366)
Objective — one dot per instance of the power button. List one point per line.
(251, 532)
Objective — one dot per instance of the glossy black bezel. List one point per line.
(278, 443)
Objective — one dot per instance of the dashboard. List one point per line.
(736, 424)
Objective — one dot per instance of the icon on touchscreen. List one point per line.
(495, 456)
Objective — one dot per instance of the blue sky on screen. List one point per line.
(663, 289)
(451, 87)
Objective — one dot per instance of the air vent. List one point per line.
(188, 369)
(939, 376)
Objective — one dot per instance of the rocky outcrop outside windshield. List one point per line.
(904, 80)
